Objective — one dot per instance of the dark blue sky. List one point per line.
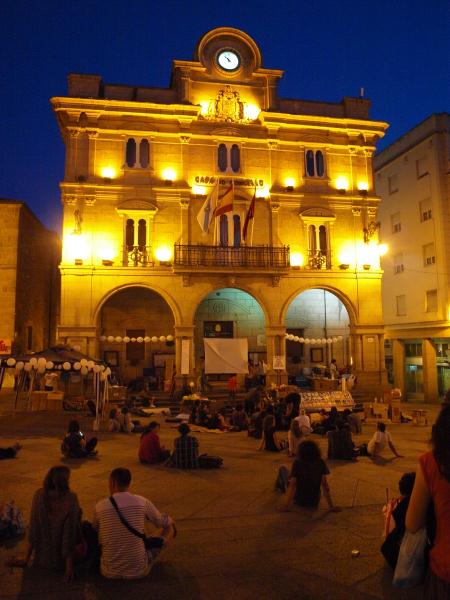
(396, 49)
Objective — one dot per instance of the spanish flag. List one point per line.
(250, 215)
(225, 201)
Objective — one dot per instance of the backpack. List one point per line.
(206, 461)
(11, 521)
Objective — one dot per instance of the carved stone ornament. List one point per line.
(89, 200)
(69, 199)
(78, 219)
(186, 280)
(370, 231)
(227, 107)
(276, 281)
(356, 211)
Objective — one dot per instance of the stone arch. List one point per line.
(348, 304)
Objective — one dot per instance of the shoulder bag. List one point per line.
(150, 543)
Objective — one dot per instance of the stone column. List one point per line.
(430, 375)
(398, 356)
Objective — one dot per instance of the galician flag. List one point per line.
(206, 213)
(225, 201)
(250, 215)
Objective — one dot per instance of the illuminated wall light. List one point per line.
(347, 256)
(163, 254)
(251, 111)
(263, 192)
(199, 190)
(289, 183)
(382, 249)
(363, 187)
(169, 175)
(204, 107)
(75, 247)
(296, 259)
(342, 183)
(106, 252)
(108, 172)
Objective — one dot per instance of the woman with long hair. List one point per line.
(307, 478)
(270, 441)
(432, 485)
(150, 449)
(55, 524)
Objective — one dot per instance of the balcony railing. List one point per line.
(259, 257)
(137, 256)
(318, 259)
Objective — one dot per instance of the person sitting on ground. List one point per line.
(150, 449)
(125, 422)
(318, 426)
(239, 419)
(185, 450)
(195, 410)
(394, 522)
(353, 420)
(75, 445)
(379, 440)
(10, 452)
(120, 522)
(270, 440)
(55, 525)
(308, 476)
(304, 422)
(340, 443)
(113, 422)
(294, 437)
(256, 424)
(204, 415)
(330, 421)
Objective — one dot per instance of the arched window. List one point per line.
(130, 157)
(310, 163)
(236, 230)
(222, 158)
(142, 233)
(224, 230)
(129, 234)
(144, 153)
(323, 239)
(235, 158)
(320, 167)
(312, 239)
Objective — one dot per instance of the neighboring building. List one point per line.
(140, 163)
(412, 178)
(29, 295)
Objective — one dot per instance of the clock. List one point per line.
(228, 60)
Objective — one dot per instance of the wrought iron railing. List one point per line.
(137, 256)
(318, 259)
(260, 257)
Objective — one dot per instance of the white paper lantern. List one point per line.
(147, 339)
(84, 370)
(324, 341)
(19, 365)
(77, 366)
(313, 340)
(102, 367)
(83, 362)
(110, 338)
(103, 338)
(66, 366)
(169, 338)
(335, 339)
(11, 361)
(307, 341)
(140, 339)
(329, 340)
(60, 367)
(154, 338)
(41, 361)
(118, 338)
(133, 339)
(33, 362)
(126, 339)
(27, 367)
(96, 368)
(49, 365)
(90, 365)
(301, 340)
(162, 338)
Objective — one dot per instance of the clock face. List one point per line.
(228, 60)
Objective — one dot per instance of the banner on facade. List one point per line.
(226, 355)
(5, 346)
(279, 363)
(185, 351)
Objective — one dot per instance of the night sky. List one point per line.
(396, 49)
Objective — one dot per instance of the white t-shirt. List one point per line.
(381, 438)
(304, 423)
(123, 554)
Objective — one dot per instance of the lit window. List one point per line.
(401, 305)
(393, 184)
(425, 210)
(315, 163)
(229, 158)
(137, 153)
(431, 302)
(396, 224)
(429, 255)
(398, 264)
(421, 167)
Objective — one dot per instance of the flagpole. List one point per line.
(253, 220)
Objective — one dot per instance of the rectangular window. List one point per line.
(421, 167)
(135, 350)
(401, 305)
(413, 349)
(398, 263)
(396, 224)
(431, 304)
(429, 256)
(393, 184)
(30, 337)
(425, 210)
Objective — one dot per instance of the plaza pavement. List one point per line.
(233, 542)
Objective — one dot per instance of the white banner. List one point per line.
(226, 355)
(185, 351)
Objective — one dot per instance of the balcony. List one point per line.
(318, 259)
(258, 258)
(137, 256)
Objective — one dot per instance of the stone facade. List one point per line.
(140, 163)
(412, 180)
(29, 296)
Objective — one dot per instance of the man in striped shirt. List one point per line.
(123, 554)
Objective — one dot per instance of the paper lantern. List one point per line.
(41, 369)
(102, 367)
(324, 341)
(126, 339)
(83, 362)
(154, 338)
(329, 340)
(19, 365)
(77, 366)
(162, 338)
(84, 370)
(27, 367)
(41, 362)
(118, 338)
(110, 338)
(296, 338)
(108, 371)
(33, 361)
(335, 339)
(140, 339)
(133, 339)
(66, 366)
(103, 338)
(147, 338)
(169, 338)
(301, 340)
(96, 368)
(307, 341)
(49, 365)
(90, 364)
(313, 340)
(11, 361)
